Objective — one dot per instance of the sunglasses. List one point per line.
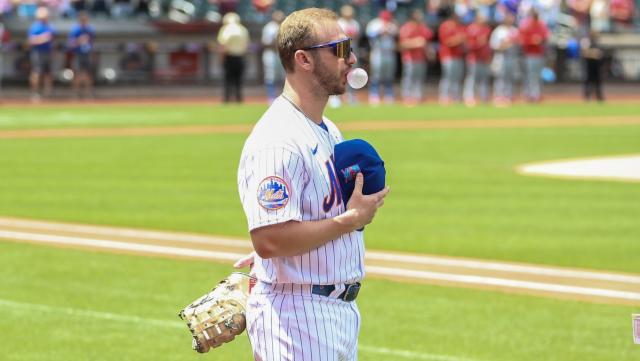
(341, 48)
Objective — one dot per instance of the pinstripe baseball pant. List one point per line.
(286, 322)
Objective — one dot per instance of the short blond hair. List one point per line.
(298, 31)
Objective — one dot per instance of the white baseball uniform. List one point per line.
(286, 173)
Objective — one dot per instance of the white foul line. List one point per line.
(370, 255)
(411, 354)
(137, 247)
(143, 321)
(126, 232)
(503, 282)
(485, 265)
(387, 271)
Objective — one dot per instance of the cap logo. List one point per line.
(273, 193)
(350, 173)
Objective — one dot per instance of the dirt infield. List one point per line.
(352, 126)
(547, 281)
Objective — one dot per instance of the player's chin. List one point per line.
(339, 90)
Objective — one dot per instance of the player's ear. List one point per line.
(303, 59)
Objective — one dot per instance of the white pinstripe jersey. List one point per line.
(286, 173)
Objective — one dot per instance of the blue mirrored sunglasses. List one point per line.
(341, 48)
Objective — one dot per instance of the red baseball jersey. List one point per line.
(450, 31)
(478, 43)
(413, 30)
(533, 35)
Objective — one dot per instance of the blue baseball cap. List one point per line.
(358, 156)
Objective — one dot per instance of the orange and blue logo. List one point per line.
(273, 193)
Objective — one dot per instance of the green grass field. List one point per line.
(454, 192)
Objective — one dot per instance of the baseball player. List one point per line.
(504, 42)
(382, 32)
(452, 36)
(414, 45)
(533, 35)
(478, 58)
(309, 255)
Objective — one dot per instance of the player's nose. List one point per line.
(352, 58)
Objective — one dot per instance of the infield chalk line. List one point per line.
(125, 232)
(412, 355)
(108, 316)
(503, 282)
(143, 321)
(375, 270)
(123, 246)
(371, 255)
(506, 267)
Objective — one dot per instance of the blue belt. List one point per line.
(349, 294)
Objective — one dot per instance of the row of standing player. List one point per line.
(485, 51)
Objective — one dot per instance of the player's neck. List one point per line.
(311, 105)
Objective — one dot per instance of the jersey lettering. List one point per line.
(335, 194)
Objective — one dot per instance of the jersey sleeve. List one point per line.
(271, 183)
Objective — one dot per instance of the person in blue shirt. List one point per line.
(80, 43)
(40, 38)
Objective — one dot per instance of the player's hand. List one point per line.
(362, 208)
(245, 261)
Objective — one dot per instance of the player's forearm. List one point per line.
(295, 238)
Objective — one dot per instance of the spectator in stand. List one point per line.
(79, 6)
(27, 9)
(273, 70)
(100, 8)
(351, 28)
(141, 8)
(121, 9)
(599, 15)
(81, 41)
(414, 47)
(227, 6)
(622, 12)
(40, 38)
(382, 32)
(6, 7)
(533, 37)
(452, 35)
(504, 42)
(4, 39)
(592, 54)
(233, 38)
(478, 60)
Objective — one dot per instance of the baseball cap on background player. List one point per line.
(358, 156)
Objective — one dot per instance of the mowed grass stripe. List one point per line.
(454, 192)
(143, 322)
(353, 126)
(399, 273)
(114, 115)
(432, 321)
(216, 242)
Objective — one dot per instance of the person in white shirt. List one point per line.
(382, 32)
(504, 42)
(273, 70)
(351, 27)
(233, 38)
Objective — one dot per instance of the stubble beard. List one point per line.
(329, 83)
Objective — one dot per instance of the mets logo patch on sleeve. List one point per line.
(273, 193)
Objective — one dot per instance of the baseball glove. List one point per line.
(219, 316)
